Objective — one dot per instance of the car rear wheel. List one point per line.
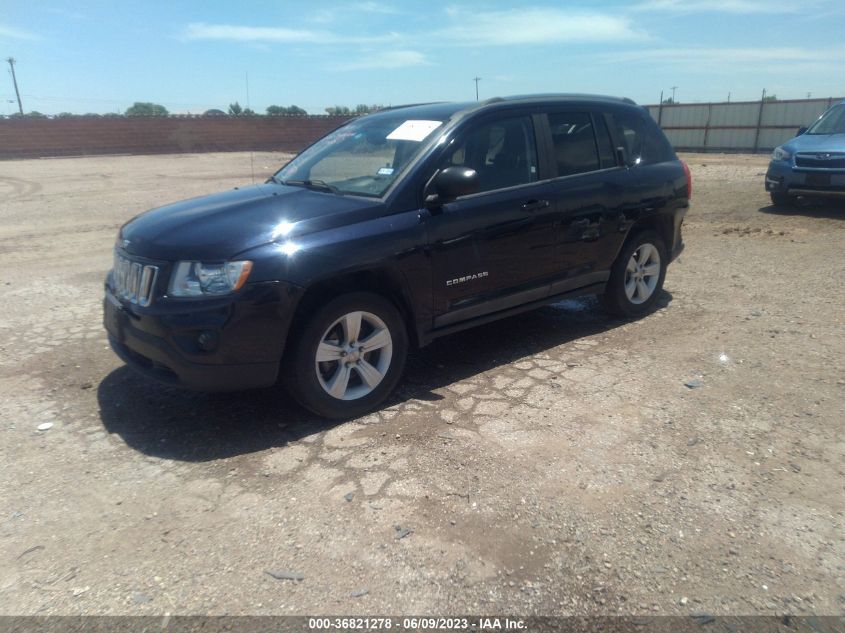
(637, 275)
(348, 357)
(783, 200)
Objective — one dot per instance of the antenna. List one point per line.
(251, 158)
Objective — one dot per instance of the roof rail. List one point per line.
(406, 105)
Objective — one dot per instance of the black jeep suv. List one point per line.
(395, 229)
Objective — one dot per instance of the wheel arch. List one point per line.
(661, 223)
(385, 282)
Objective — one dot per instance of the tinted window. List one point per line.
(502, 152)
(630, 131)
(643, 140)
(606, 153)
(574, 142)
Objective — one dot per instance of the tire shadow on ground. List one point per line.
(170, 423)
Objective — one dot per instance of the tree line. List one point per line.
(236, 109)
(147, 108)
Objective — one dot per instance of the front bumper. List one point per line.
(783, 177)
(222, 344)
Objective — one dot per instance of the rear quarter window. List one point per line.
(643, 140)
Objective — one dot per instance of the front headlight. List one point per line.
(781, 154)
(198, 279)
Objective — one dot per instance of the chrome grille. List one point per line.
(134, 281)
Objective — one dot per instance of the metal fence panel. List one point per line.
(693, 115)
(689, 138)
(730, 139)
(739, 126)
(734, 114)
(790, 112)
(772, 137)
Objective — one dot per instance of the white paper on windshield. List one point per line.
(413, 130)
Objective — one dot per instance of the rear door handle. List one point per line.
(534, 205)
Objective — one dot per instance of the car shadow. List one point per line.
(828, 208)
(171, 423)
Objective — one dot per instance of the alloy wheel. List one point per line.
(354, 355)
(642, 273)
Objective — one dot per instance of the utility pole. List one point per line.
(729, 97)
(673, 93)
(11, 61)
(476, 80)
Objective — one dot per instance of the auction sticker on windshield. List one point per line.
(413, 130)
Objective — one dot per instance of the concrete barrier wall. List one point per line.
(74, 136)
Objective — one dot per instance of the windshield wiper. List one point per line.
(275, 180)
(319, 185)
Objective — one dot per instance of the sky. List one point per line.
(101, 56)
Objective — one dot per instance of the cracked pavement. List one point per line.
(550, 463)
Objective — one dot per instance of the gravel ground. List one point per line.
(552, 463)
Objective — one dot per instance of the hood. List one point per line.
(221, 225)
(817, 143)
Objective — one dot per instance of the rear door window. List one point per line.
(574, 143)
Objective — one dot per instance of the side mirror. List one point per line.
(802, 130)
(451, 183)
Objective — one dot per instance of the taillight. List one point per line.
(688, 174)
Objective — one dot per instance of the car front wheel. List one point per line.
(637, 275)
(348, 357)
(782, 200)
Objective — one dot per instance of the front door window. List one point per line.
(502, 152)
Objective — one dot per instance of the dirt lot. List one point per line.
(553, 463)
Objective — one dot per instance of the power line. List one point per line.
(11, 61)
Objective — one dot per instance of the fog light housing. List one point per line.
(208, 340)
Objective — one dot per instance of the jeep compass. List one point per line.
(395, 229)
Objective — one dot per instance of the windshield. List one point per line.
(831, 122)
(363, 157)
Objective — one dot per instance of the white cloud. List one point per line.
(277, 34)
(8, 32)
(724, 6)
(322, 16)
(202, 31)
(386, 60)
(720, 58)
(335, 14)
(374, 7)
(534, 25)
(762, 62)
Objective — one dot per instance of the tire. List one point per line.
(782, 200)
(643, 253)
(350, 380)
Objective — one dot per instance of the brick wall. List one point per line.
(74, 136)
